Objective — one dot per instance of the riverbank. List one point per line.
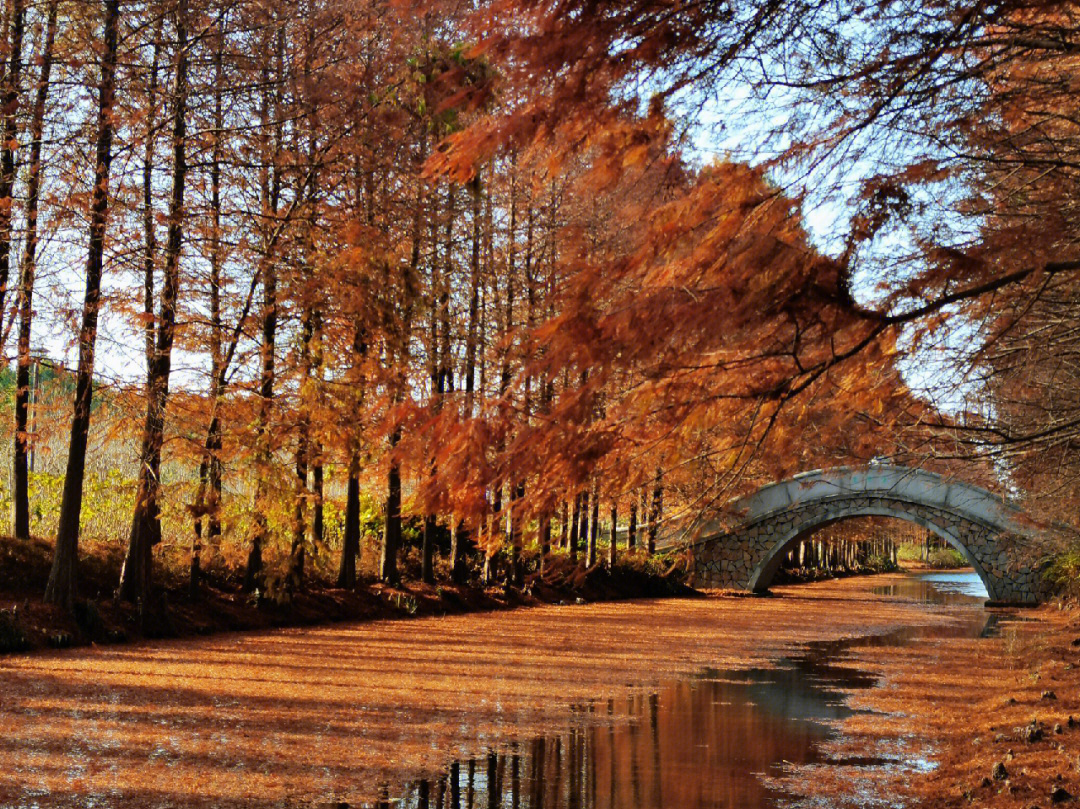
(27, 624)
(990, 722)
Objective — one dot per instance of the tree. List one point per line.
(136, 576)
(20, 494)
(63, 578)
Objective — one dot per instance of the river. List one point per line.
(673, 703)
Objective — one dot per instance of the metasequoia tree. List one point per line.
(136, 575)
(61, 588)
(10, 97)
(487, 284)
(20, 496)
(969, 109)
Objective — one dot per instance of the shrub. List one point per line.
(1063, 573)
(946, 559)
(909, 552)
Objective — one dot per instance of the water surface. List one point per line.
(952, 587)
(717, 739)
(674, 703)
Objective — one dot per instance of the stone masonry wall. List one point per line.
(1008, 564)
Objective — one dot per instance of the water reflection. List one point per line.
(695, 743)
(938, 588)
(715, 740)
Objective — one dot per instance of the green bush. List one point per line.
(946, 559)
(879, 563)
(1063, 573)
(909, 552)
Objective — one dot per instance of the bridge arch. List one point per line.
(766, 570)
(1002, 546)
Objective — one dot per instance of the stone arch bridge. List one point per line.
(1007, 550)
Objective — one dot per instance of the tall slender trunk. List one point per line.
(490, 558)
(545, 539)
(149, 225)
(315, 447)
(351, 537)
(136, 577)
(631, 528)
(302, 458)
(459, 538)
(318, 482)
(612, 547)
(594, 526)
(310, 327)
(208, 499)
(475, 192)
(350, 549)
(63, 577)
(20, 497)
(350, 546)
(517, 505)
(657, 510)
(388, 570)
(517, 496)
(575, 527)
(442, 375)
(270, 182)
(9, 106)
(508, 326)
(254, 573)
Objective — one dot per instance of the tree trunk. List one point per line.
(474, 297)
(318, 522)
(612, 547)
(9, 107)
(150, 131)
(459, 539)
(350, 546)
(20, 497)
(208, 498)
(575, 524)
(657, 511)
(296, 552)
(495, 535)
(63, 577)
(594, 526)
(302, 457)
(427, 549)
(545, 539)
(388, 571)
(270, 182)
(136, 577)
(516, 573)
(631, 528)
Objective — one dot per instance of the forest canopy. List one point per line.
(485, 265)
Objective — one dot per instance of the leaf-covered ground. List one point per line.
(953, 708)
(299, 717)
